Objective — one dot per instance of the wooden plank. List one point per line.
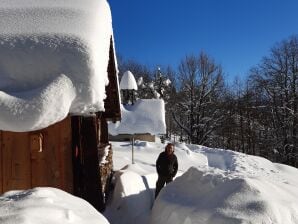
(16, 161)
(51, 143)
(66, 156)
(7, 160)
(52, 166)
(1, 176)
(38, 165)
(76, 155)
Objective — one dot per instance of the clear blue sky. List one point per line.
(236, 33)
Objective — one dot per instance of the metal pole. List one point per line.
(132, 149)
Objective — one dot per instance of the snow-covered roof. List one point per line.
(128, 81)
(53, 60)
(145, 116)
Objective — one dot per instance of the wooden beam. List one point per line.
(1, 158)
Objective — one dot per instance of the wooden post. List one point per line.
(1, 158)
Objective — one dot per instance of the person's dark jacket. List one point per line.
(167, 165)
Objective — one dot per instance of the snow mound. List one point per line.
(131, 200)
(128, 81)
(216, 196)
(145, 116)
(39, 41)
(46, 206)
(218, 186)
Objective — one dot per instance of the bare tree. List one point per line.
(277, 76)
(201, 83)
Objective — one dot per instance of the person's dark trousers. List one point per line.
(160, 183)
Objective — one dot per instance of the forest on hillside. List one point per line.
(257, 115)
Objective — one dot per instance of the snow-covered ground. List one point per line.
(213, 186)
(46, 206)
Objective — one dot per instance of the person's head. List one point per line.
(169, 149)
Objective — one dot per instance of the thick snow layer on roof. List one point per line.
(145, 116)
(46, 206)
(42, 41)
(128, 81)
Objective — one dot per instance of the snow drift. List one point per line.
(217, 186)
(42, 41)
(240, 194)
(46, 206)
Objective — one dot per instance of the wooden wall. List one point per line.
(41, 158)
(127, 137)
(112, 101)
(85, 160)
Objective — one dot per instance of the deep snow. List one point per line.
(213, 186)
(45, 40)
(139, 119)
(46, 206)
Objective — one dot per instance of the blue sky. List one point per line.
(236, 33)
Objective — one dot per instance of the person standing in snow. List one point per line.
(166, 166)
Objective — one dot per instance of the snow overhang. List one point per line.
(53, 60)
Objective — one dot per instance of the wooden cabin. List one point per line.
(66, 154)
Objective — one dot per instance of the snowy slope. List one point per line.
(42, 41)
(214, 186)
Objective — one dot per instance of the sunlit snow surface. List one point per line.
(145, 116)
(214, 186)
(42, 41)
(46, 206)
(128, 81)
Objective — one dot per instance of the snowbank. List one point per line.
(230, 196)
(46, 206)
(42, 41)
(218, 186)
(145, 116)
(128, 81)
(131, 200)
